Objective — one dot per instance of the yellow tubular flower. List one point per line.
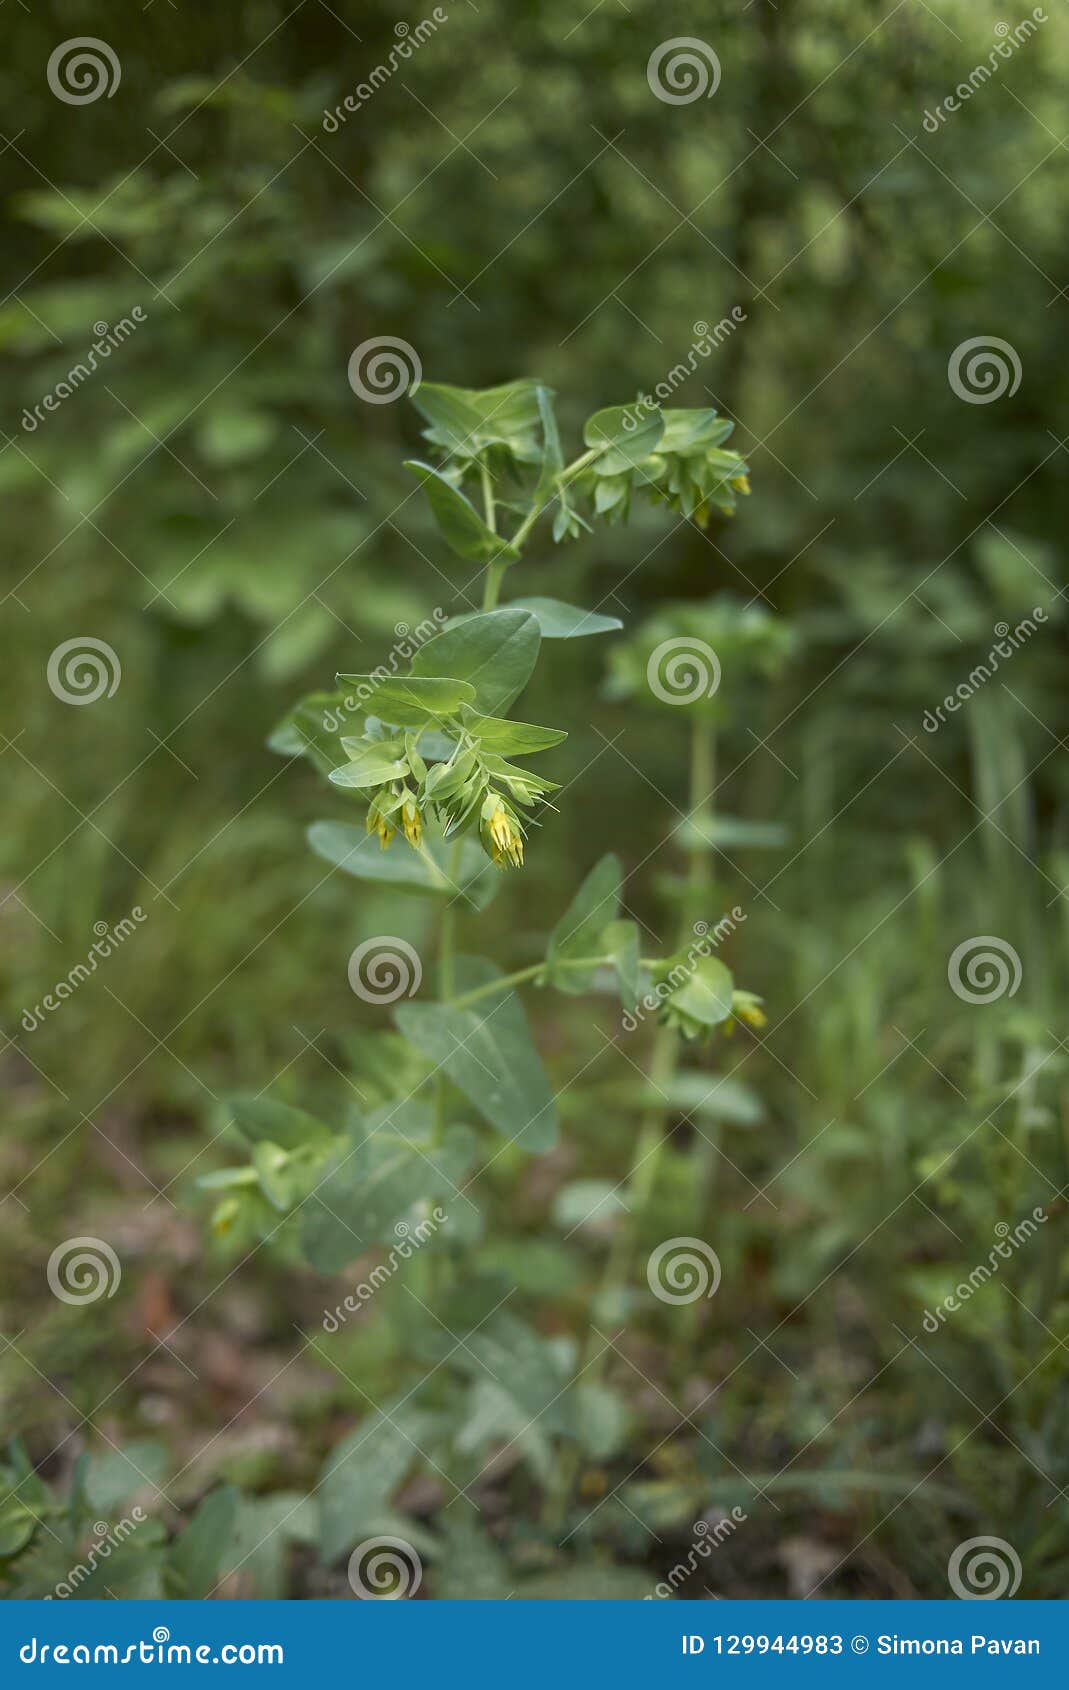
(741, 483)
(377, 823)
(411, 821)
(506, 841)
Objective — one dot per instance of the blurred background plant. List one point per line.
(217, 505)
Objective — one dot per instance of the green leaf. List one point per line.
(560, 621)
(491, 652)
(462, 528)
(412, 703)
(387, 1164)
(258, 1118)
(700, 832)
(706, 996)
(465, 420)
(371, 765)
(519, 1394)
(485, 1048)
(601, 1420)
(472, 1569)
(579, 931)
(715, 1097)
(259, 1550)
(588, 1202)
(115, 1475)
(198, 1551)
(627, 434)
(360, 1476)
(620, 941)
(18, 1522)
(693, 432)
(462, 865)
(552, 457)
(586, 1581)
(517, 739)
(305, 731)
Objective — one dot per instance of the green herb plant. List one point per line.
(440, 773)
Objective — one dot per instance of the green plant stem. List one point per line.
(447, 937)
(521, 974)
(489, 511)
(566, 475)
(650, 1142)
(495, 574)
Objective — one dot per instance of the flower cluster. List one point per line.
(447, 778)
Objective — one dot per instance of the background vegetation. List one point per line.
(219, 507)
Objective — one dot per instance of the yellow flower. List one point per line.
(741, 483)
(748, 1008)
(506, 840)
(225, 1215)
(377, 823)
(411, 821)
